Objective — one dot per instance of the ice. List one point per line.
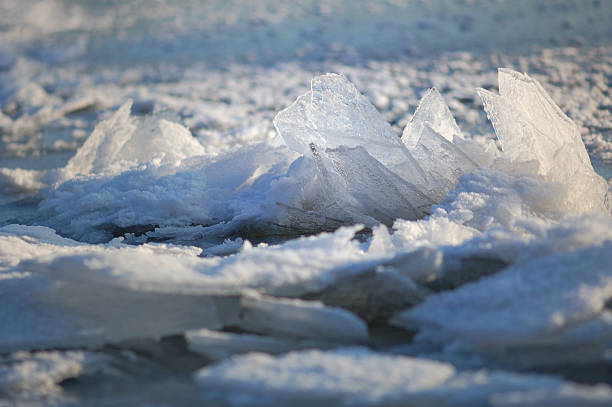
(298, 319)
(354, 183)
(217, 345)
(122, 141)
(201, 190)
(37, 374)
(159, 184)
(537, 136)
(291, 269)
(442, 161)
(359, 159)
(79, 294)
(335, 114)
(360, 377)
(525, 314)
(172, 234)
(432, 112)
(117, 144)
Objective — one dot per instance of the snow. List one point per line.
(168, 200)
(556, 301)
(27, 378)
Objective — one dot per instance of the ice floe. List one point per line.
(360, 377)
(547, 311)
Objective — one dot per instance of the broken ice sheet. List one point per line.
(352, 170)
(360, 377)
(547, 311)
(364, 167)
(107, 293)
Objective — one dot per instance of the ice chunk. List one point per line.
(300, 320)
(217, 345)
(360, 377)
(116, 144)
(104, 144)
(323, 378)
(443, 162)
(535, 133)
(335, 114)
(359, 186)
(291, 269)
(365, 170)
(122, 139)
(550, 304)
(434, 113)
(432, 136)
(374, 294)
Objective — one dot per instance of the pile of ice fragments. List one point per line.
(532, 212)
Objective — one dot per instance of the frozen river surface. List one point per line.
(332, 203)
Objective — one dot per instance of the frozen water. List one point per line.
(173, 228)
(552, 304)
(537, 136)
(335, 114)
(434, 113)
(38, 374)
(352, 170)
(359, 377)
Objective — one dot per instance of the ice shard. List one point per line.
(538, 137)
(367, 172)
(335, 114)
(432, 136)
(123, 139)
(433, 112)
(364, 189)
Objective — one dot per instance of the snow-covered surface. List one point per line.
(169, 200)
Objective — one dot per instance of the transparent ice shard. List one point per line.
(442, 160)
(433, 112)
(367, 172)
(335, 114)
(360, 185)
(538, 137)
(432, 136)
